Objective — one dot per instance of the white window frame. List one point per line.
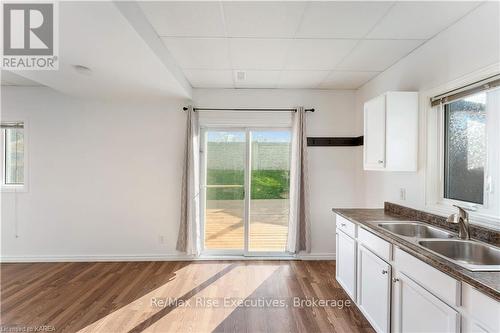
(486, 214)
(16, 187)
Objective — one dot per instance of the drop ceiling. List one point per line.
(322, 45)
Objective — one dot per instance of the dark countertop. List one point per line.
(486, 282)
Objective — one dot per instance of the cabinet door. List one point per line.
(346, 263)
(470, 325)
(417, 310)
(374, 289)
(401, 131)
(374, 134)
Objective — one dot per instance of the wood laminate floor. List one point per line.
(209, 296)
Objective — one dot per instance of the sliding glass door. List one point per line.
(270, 186)
(224, 190)
(246, 180)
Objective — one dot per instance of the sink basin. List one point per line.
(415, 230)
(471, 255)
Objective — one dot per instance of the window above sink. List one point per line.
(463, 150)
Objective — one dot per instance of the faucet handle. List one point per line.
(453, 218)
(462, 212)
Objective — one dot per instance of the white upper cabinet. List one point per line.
(374, 135)
(391, 132)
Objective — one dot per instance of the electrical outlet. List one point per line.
(402, 194)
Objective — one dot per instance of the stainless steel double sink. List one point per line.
(470, 254)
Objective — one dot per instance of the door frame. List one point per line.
(247, 192)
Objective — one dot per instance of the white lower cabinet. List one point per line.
(470, 325)
(480, 313)
(397, 292)
(374, 289)
(417, 310)
(346, 263)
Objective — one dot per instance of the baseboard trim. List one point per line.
(163, 257)
(316, 256)
(94, 258)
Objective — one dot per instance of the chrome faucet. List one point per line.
(462, 219)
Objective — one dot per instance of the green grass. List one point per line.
(266, 184)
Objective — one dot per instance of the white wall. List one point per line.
(469, 45)
(332, 170)
(104, 179)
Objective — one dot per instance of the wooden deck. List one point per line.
(268, 225)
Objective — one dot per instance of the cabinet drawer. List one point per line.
(376, 244)
(346, 226)
(484, 310)
(438, 283)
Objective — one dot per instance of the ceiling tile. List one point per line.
(317, 54)
(346, 79)
(341, 19)
(258, 79)
(301, 79)
(202, 78)
(377, 55)
(258, 54)
(262, 19)
(405, 19)
(199, 53)
(194, 19)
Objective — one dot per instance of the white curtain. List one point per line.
(189, 237)
(299, 234)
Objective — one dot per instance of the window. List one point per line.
(465, 149)
(464, 136)
(13, 151)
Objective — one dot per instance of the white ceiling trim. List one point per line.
(135, 16)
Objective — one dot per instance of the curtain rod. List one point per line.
(469, 89)
(12, 125)
(236, 109)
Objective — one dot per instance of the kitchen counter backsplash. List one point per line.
(477, 232)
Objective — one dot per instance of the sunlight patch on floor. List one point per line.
(127, 317)
(238, 282)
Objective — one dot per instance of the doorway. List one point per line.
(245, 181)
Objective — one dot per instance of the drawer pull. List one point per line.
(395, 280)
(384, 271)
(342, 224)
